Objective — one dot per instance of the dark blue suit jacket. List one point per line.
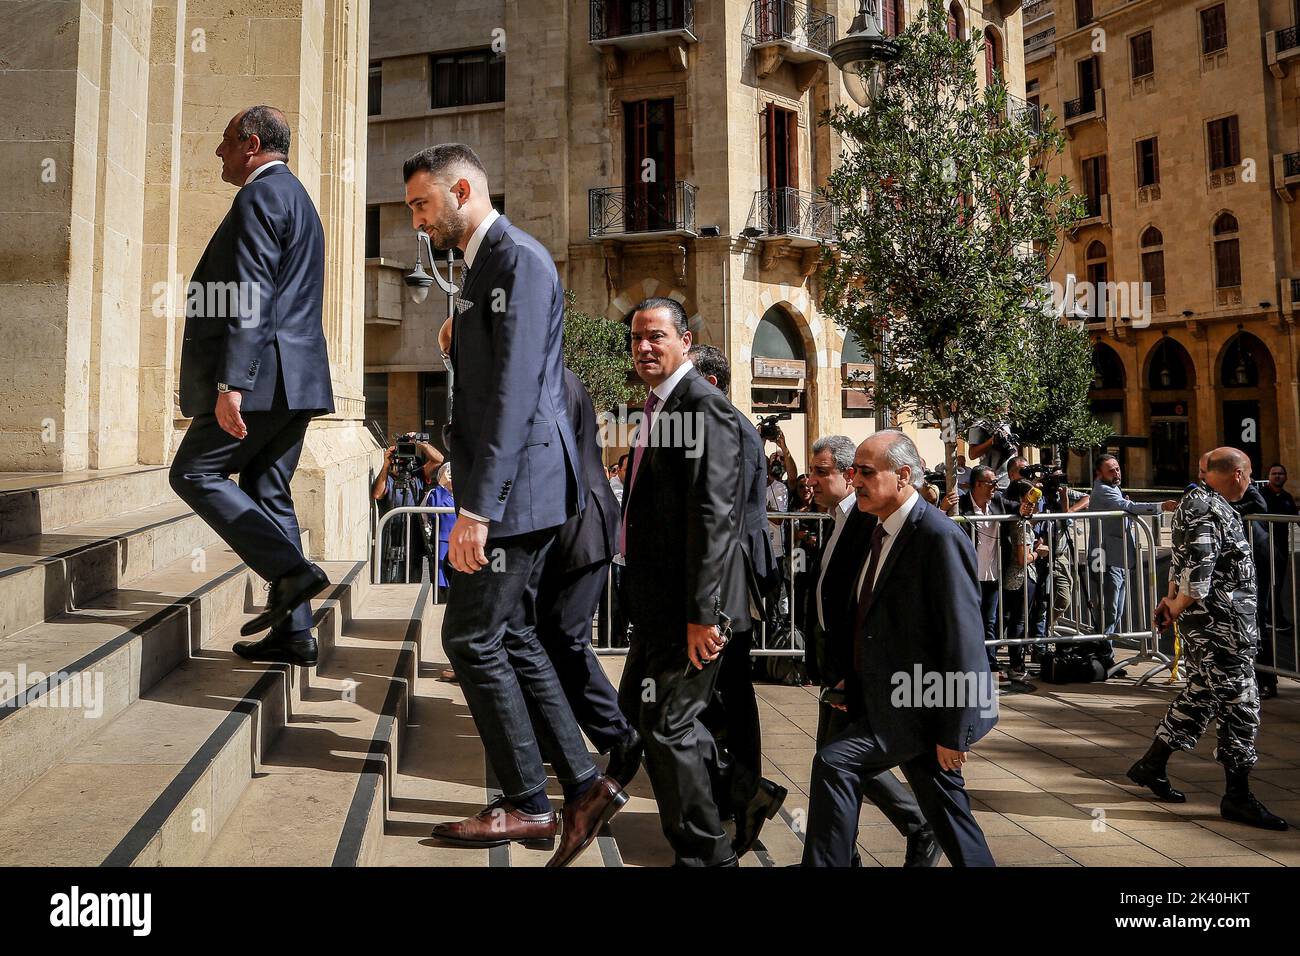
(253, 312)
(587, 539)
(513, 446)
(925, 612)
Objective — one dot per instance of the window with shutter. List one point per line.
(1141, 55)
(1227, 263)
(1148, 162)
(1214, 29)
(1082, 12)
(467, 79)
(1224, 143)
(1153, 271)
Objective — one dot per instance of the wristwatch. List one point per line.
(222, 387)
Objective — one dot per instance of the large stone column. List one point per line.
(73, 99)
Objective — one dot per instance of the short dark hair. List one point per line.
(979, 471)
(710, 360)
(1278, 464)
(621, 459)
(674, 308)
(270, 127)
(1017, 489)
(1096, 468)
(1018, 461)
(436, 160)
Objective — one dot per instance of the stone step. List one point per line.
(63, 679)
(32, 504)
(156, 784)
(322, 790)
(47, 574)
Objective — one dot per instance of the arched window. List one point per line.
(956, 22)
(1170, 367)
(892, 17)
(1227, 252)
(1107, 369)
(992, 56)
(1153, 259)
(1240, 370)
(777, 337)
(1095, 260)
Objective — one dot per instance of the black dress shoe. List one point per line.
(625, 759)
(1148, 776)
(763, 806)
(281, 649)
(286, 594)
(922, 849)
(1250, 811)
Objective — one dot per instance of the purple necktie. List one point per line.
(642, 440)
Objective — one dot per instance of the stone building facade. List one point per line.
(1183, 130)
(715, 101)
(110, 112)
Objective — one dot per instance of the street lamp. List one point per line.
(418, 281)
(863, 54)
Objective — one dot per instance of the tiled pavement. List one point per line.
(1047, 785)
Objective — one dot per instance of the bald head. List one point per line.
(254, 137)
(1227, 471)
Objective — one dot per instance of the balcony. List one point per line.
(642, 212)
(1040, 45)
(785, 31)
(1085, 110)
(1030, 113)
(385, 291)
(1280, 47)
(1037, 10)
(796, 216)
(642, 24)
(1290, 296)
(1096, 214)
(1286, 174)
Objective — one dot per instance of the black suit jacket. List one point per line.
(685, 513)
(514, 450)
(925, 619)
(587, 538)
(843, 566)
(754, 536)
(253, 308)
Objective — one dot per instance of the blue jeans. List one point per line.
(510, 684)
(989, 595)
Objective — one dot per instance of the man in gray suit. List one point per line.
(518, 479)
(1118, 546)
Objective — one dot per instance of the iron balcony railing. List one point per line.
(1082, 106)
(643, 207)
(1291, 164)
(792, 212)
(1288, 38)
(622, 18)
(1036, 10)
(1040, 39)
(1018, 109)
(793, 22)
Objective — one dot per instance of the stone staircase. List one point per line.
(130, 734)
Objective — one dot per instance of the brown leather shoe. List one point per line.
(497, 824)
(584, 817)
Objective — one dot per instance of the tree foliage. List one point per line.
(596, 349)
(946, 218)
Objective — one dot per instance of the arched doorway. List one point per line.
(1106, 394)
(1247, 389)
(956, 21)
(780, 377)
(1170, 379)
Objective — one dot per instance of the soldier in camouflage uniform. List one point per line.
(1212, 595)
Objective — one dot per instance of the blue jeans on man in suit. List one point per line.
(990, 594)
(509, 682)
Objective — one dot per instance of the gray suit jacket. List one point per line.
(1116, 536)
(515, 453)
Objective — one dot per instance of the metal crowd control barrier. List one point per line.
(1279, 650)
(1091, 610)
(406, 511)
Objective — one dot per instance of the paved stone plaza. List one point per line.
(1048, 786)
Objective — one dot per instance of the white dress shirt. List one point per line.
(986, 542)
(893, 524)
(838, 522)
(263, 168)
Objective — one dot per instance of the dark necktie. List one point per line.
(864, 596)
(642, 440)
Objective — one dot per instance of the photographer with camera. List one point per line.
(404, 480)
(992, 442)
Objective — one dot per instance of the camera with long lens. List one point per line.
(939, 480)
(768, 429)
(1049, 477)
(406, 459)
